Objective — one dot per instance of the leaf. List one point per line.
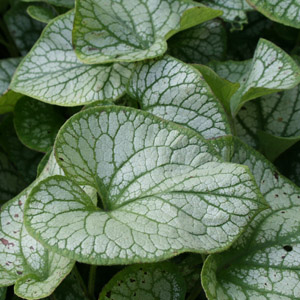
(11, 182)
(24, 30)
(233, 10)
(178, 93)
(8, 98)
(131, 30)
(35, 271)
(289, 163)
(154, 281)
(200, 44)
(271, 123)
(222, 88)
(52, 73)
(271, 70)
(264, 262)
(2, 293)
(283, 11)
(62, 3)
(37, 123)
(43, 14)
(24, 160)
(160, 186)
(190, 267)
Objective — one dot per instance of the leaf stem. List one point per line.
(92, 280)
(195, 292)
(81, 282)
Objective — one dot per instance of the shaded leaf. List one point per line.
(148, 282)
(8, 98)
(43, 14)
(24, 30)
(200, 44)
(37, 123)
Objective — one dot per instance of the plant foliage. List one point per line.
(144, 146)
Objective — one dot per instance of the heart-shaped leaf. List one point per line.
(8, 98)
(151, 281)
(271, 70)
(283, 11)
(178, 93)
(37, 123)
(264, 262)
(200, 44)
(131, 30)
(52, 73)
(163, 191)
(35, 271)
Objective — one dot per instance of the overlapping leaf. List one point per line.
(63, 3)
(24, 160)
(24, 30)
(271, 122)
(52, 73)
(271, 70)
(179, 94)
(152, 281)
(163, 191)
(233, 10)
(37, 123)
(2, 293)
(131, 30)
(200, 44)
(283, 11)
(42, 14)
(35, 271)
(8, 98)
(264, 263)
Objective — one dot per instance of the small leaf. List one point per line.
(8, 98)
(131, 30)
(178, 93)
(200, 44)
(151, 281)
(265, 260)
(283, 11)
(24, 30)
(152, 176)
(52, 73)
(233, 10)
(37, 123)
(43, 14)
(35, 271)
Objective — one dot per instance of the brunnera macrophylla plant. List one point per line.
(141, 150)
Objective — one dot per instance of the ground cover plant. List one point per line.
(149, 149)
